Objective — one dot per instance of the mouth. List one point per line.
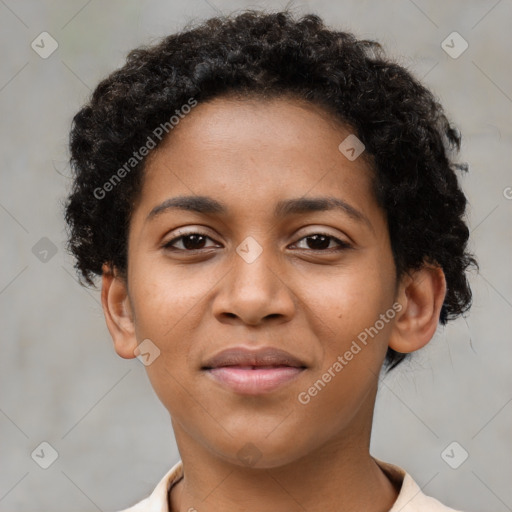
(251, 372)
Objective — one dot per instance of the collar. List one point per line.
(410, 497)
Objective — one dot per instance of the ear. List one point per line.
(118, 313)
(421, 294)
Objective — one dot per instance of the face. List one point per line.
(289, 251)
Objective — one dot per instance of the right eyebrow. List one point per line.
(199, 204)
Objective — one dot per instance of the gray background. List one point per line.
(60, 379)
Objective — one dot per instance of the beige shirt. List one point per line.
(410, 498)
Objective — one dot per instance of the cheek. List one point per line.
(167, 302)
(350, 301)
(354, 347)
(353, 316)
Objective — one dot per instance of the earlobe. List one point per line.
(118, 313)
(421, 294)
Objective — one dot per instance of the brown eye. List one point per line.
(197, 241)
(321, 242)
(190, 242)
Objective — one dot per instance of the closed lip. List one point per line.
(243, 357)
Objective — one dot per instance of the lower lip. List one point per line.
(250, 381)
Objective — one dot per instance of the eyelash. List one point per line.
(342, 245)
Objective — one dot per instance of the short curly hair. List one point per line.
(263, 54)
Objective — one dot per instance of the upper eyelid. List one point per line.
(201, 230)
(180, 235)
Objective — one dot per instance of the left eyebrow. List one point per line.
(319, 204)
(284, 208)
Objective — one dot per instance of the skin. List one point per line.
(250, 154)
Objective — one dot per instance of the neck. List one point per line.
(348, 485)
(341, 475)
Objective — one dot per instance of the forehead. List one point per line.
(284, 122)
(255, 149)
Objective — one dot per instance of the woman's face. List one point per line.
(267, 259)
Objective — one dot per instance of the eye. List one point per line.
(190, 242)
(322, 241)
(195, 241)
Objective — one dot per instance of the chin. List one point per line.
(258, 453)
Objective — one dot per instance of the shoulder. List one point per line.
(410, 498)
(142, 506)
(157, 501)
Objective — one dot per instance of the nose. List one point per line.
(254, 292)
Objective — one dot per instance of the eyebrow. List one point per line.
(209, 206)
